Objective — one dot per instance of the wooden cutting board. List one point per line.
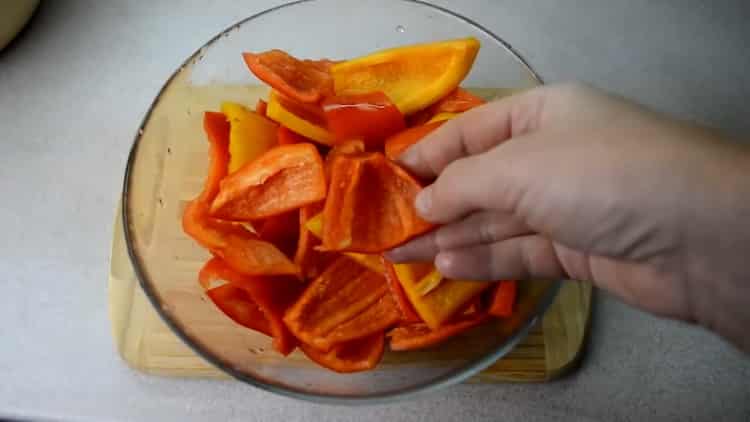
(148, 345)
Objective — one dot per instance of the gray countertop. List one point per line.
(74, 87)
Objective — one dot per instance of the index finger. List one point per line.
(473, 132)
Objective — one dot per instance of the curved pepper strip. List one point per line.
(458, 101)
(413, 77)
(420, 336)
(307, 121)
(352, 356)
(242, 250)
(408, 315)
(344, 303)
(311, 261)
(273, 297)
(400, 142)
(503, 299)
(371, 117)
(370, 206)
(306, 81)
(237, 304)
(287, 137)
(282, 179)
(282, 230)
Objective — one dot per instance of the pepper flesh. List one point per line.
(250, 135)
(352, 356)
(420, 335)
(304, 80)
(503, 299)
(400, 142)
(282, 179)
(273, 297)
(371, 117)
(369, 208)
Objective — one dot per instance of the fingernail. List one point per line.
(444, 262)
(423, 202)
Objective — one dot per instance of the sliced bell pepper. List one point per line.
(307, 127)
(429, 282)
(242, 250)
(287, 137)
(458, 101)
(420, 335)
(250, 136)
(444, 301)
(306, 81)
(237, 304)
(413, 77)
(272, 295)
(282, 230)
(370, 206)
(314, 225)
(350, 147)
(284, 178)
(261, 107)
(503, 299)
(311, 261)
(400, 142)
(408, 315)
(352, 356)
(371, 117)
(345, 291)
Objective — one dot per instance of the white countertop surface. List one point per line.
(74, 87)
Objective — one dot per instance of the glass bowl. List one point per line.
(168, 163)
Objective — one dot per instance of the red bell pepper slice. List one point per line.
(273, 296)
(282, 230)
(306, 81)
(350, 147)
(370, 206)
(261, 107)
(242, 250)
(282, 179)
(237, 304)
(420, 336)
(311, 261)
(400, 142)
(458, 101)
(504, 299)
(344, 292)
(288, 137)
(371, 117)
(408, 314)
(352, 356)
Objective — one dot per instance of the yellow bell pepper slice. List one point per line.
(413, 77)
(373, 262)
(441, 117)
(250, 134)
(429, 282)
(284, 117)
(443, 301)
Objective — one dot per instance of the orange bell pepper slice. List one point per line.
(413, 77)
(371, 117)
(272, 295)
(344, 303)
(237, 304)
(408, 315)
(420, 335)
(282, 230)
(284, 178)
(400, 142)
(503, 299)
(352, 356)
(442, 302)
(306, 81)
(242, 250)
(369, 208)
(458, 101)
(311, 261)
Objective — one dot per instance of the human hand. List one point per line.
(567, 182)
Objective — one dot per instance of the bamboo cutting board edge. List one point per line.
(146, 344)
